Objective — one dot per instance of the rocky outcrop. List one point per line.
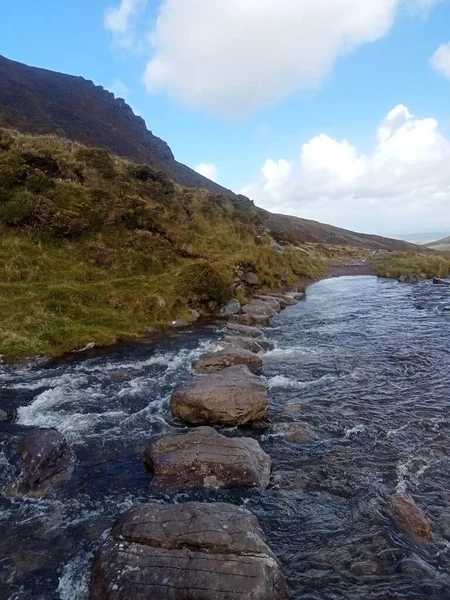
(232, 397)
(187, 551)
(410, 517)
(234, 329)
(217, 361)
(259, 308)
(47, 460)
(251, 320)
(233, 307)
(284, 299)
(251, 344)
(272, 302)
(205, 458)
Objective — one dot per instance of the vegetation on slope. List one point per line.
(397, 264)
(93, 247)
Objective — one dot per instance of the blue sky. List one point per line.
(286, 100)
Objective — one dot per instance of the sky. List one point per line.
(332, 110)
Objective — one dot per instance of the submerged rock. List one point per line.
(217, 361)
(439, 281)
(234, 329)
(47, 460)
(410, 517)
(302, 434)
(3, 416)
(251, 344)
(205, 458)
(189, 551)
(232, 397)
(251, 320)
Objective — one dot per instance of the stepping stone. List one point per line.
(189, 551)
(217, 361)
(251, 344)
(251, 320)
(242, 330)
(205, 458)
(234, 396)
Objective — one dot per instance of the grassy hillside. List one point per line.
(93, 247)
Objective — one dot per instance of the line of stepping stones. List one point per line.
(199, 551)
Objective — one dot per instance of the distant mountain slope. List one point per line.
(294, 230)
(443, 244)
(39, 102)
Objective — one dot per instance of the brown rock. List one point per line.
(251, 344)
(259, 308)
(233, 396)
(302, 435)
(284, 299)
(251, 320)
(205, 458)
(270, 301)
(410, 517)
(189, 551)
(47, 460)
(243, 331)
(217, 361)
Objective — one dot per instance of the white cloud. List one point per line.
(234, 56)
(208, 170)
(119, 20)
(402, 185)
(440, 61)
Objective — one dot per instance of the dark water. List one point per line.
(364, 362)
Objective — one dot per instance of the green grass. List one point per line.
(426, 266)
(94, 248)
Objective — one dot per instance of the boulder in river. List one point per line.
(233, 396)
(301, 434)
(217, 361)
(191, 551)
(257, 346)
(233, 307)
(205, 458)
(439, 281)
(259, 308)
(47, 460)
(3, 416)
(251, 320)
(410, 517)
(412, 278)
(234, 329)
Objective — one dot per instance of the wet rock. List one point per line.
(410, 517)
(191, 551)
(284, 300)
(233, 307)
(365, 568)
(251, 344)
(413, 278)
(259, 308)
(299, 295)
(3, 416)
(217, 361)
(439, 281)
(250, 278)
(272, 302)
(205, 458)
(302, 434)
(251, 320)
(236, 330)
(232, 397)
(47, 460)
(120, 375)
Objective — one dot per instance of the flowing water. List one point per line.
(363, 362)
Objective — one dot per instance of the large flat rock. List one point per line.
(232, 397)
(205, 458)
(188, 551)
(260, 308)
(242, 330)
(217, 361)
(251, 320)
(255, 345)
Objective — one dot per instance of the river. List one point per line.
(364, 362)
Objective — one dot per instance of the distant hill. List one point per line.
(39, 102)
(442, 245)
